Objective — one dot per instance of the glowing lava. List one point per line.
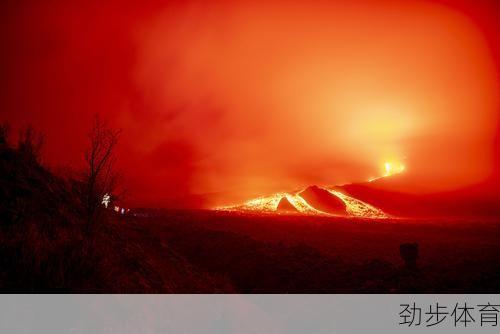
(262, 204)
(358, 208)
(269, 204)
(390, 168)
(353, 207)
(302, 206)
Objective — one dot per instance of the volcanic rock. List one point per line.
(284, 205)
(321, 199)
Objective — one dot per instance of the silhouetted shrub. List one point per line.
(30, 144)
(45, 245)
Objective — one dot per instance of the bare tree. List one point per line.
(99, 177)
(30, 143)
(4, 133)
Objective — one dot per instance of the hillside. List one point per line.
(472, 201)
(45, 245)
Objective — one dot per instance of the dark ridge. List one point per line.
(285, 205)
(385, 194)
(322, 200)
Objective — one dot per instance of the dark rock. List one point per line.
(285, 206)
(323, 200)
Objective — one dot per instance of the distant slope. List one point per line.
(471, 201)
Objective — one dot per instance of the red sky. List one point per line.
(235, 99)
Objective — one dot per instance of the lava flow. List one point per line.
(297, 204)
(358, 208)
(321, 201)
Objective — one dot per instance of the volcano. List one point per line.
(322, 200)
(313, 200)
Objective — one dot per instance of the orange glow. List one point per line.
(358, 208)
(222, 101)
(390, 168)
(261, 204)
(302, 206)
(270, 204)
(278, 97)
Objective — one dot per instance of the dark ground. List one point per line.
(297, 254)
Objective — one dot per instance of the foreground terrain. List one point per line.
(300, 254)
